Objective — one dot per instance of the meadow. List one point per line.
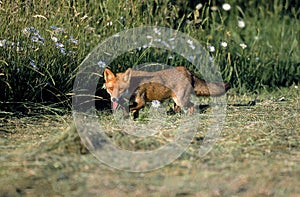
(42, 43)
(255, 44)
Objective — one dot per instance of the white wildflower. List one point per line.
(54, 39)
(211, 49)
(2, 43)
(199, 6)
(101, 64)
(243, 45)
(241, 24)
(59, 45)
(224, 44)
(155, 103)
(226, 6)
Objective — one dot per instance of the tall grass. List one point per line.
(42, 42)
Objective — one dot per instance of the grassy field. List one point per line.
(257, 154)
(255, 44)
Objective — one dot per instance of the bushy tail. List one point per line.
(203, 88)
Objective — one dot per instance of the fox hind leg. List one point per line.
(182, 102)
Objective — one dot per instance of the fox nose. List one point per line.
(113, 99)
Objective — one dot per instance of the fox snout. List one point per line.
(113, 99)
(120, 100)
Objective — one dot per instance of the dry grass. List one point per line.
(257, 154)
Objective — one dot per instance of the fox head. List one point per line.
(117, 85)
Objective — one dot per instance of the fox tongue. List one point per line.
(114, 105)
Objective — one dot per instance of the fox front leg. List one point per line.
(136, 108)
(138, 103)
(135, 114)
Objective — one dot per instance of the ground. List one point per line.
(257, 154)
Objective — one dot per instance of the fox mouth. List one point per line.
(115, 102)
(114, 105)
(118, 103)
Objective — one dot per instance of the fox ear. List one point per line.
(108, 75)
(127, 75)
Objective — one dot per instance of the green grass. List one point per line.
(43, 43)
(256, 154)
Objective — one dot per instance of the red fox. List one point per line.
(141, 86)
